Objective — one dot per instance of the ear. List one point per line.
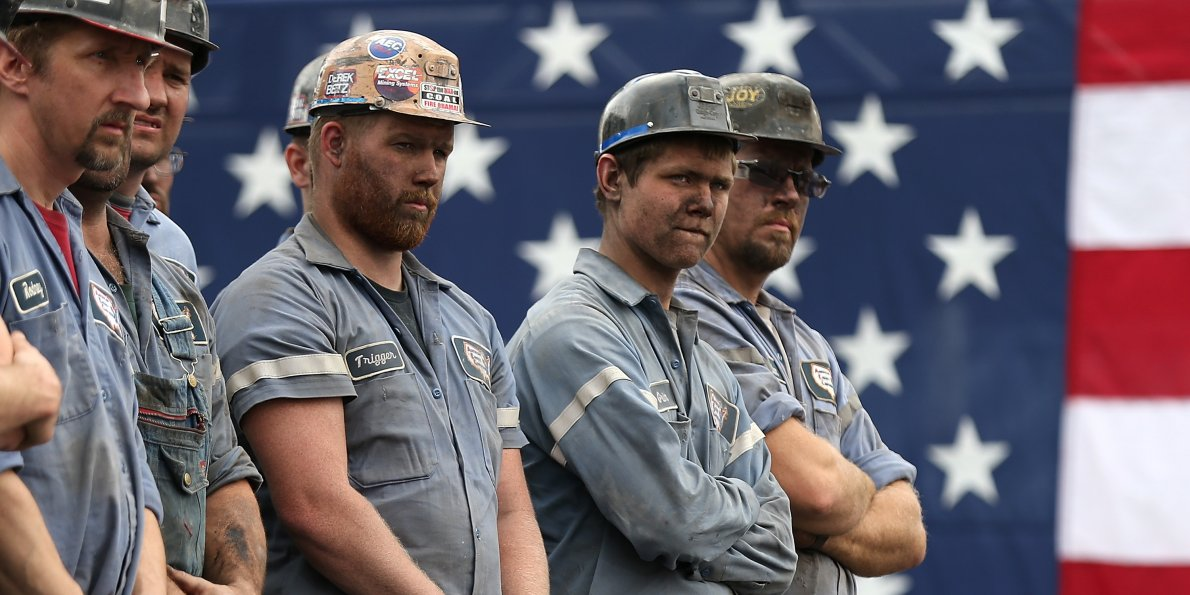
(298, 161)
(15, 69)
(609, 177)
(332, 143)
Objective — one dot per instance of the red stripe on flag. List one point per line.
(1081, 578)
(1122, 41)
(1129, 323)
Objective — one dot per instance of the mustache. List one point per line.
(121, 117)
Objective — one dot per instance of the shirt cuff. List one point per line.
(885, 466)
(776, 410)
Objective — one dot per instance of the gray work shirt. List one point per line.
(646, 472)
(793, 374)
(184, 419)
(91, 481)
(166, 238)
(425, 431)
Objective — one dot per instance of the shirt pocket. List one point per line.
(826, 421)
(63, 346)
(390, 438)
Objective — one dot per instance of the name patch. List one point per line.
(663, 396)
(819, 380)
(105, 310)
(29, 292)
(339, 82)
(373, 359)
(475, 359)
(725, 416)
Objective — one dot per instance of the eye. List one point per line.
(680, 179)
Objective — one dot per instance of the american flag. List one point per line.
(1001, 264)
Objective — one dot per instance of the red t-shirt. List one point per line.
(125, 212)
(61, 230)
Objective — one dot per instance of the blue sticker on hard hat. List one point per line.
(386, 48)
(625, 135)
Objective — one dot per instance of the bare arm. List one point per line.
(29, 562)
(301, 447)
(523, 567)
(150, 574)
(236, 552)
(828, 495)
(890, 538)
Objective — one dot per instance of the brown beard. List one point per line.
(90, 158)
(765, 256)
(363, 205)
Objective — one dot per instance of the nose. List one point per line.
(428, 170)
(131, 89)
(155, 86)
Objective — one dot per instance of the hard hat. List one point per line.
(774, 106)
(8, 9)
(666, 102)
(188, 24)
(142, 19)
(299, 100)
(395, 71)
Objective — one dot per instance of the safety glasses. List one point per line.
(770, 175)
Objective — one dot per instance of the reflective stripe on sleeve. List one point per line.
(508, 417)
(744, 442)
(577, 407)
(286, 367)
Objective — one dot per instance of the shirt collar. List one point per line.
(321, 251)
(610, 277)
(705, 275)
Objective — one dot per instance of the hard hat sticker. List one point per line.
(339, 82)
(386, 48)
(397, 83)
(441, 98)
(744, 96)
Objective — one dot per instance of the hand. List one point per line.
(31, 392)
(196, 585)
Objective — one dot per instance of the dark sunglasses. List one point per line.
(770, 175)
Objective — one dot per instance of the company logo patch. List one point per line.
(397, 83)
(725, 416)
(475, 359)
(29, 292)
(373, 359)
(663, 394)
(104, 308)
(386, 48)
(339, 82)
(442, 98)
(819, 380)
(200, 333)
(744, 96)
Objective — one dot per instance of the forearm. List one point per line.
(29, 561)
(523, 566)
(236, 552)
(764, 559)
(890, 538)
(354, 548)
(828, 494)
(150, 573)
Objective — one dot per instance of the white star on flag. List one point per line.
(893, 584)
(554, 257)
(361, 24)
(205, 275)
(564, 47)
(968, 464)
(469, 164)
(871, 354)
(768, 39)
(264, 177)
(869, 143)
(976, 41)
(784, 279)
(970, 257)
